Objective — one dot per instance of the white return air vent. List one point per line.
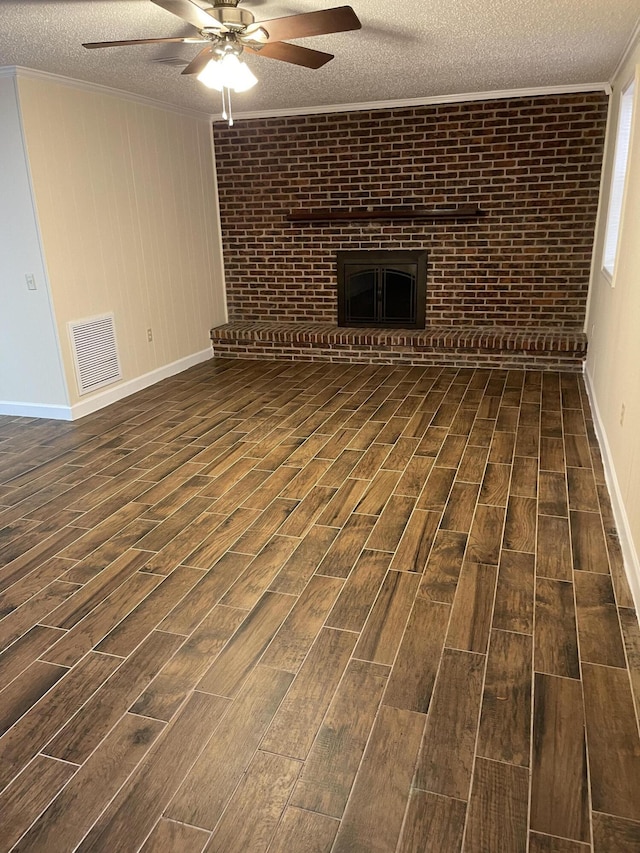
(95, 352)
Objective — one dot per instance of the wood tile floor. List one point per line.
(303, 608)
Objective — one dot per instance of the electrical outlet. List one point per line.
(149, 335)
(31, 281)
(622, 415)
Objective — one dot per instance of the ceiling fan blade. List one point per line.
(186, 40)
(292, 53)
(307, 24)
(188, 11)
(196, 65)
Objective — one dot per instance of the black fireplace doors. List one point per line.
(379, 289)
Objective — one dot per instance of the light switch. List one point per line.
(31, 281)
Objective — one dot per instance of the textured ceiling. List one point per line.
(408, 49)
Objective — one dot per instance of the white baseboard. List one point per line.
(104, 398)
(125, 389)
(36, 410)
(629, 551)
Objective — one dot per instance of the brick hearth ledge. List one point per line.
(465, 346)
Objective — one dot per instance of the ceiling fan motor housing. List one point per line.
(232, 17)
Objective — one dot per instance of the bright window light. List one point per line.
(616, 194)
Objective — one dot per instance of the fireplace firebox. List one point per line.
(380, 289)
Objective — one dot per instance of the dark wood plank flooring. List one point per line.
(317, 608)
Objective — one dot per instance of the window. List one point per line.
(616, 194)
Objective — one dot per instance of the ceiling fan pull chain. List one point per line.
(224, 108)
(226, 114)
(229, 101)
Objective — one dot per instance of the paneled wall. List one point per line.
(532, 164)
(125, 195)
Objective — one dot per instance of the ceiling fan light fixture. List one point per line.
(255, 34)
(228, 73)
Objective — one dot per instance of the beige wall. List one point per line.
(125, 195)
(613, 325)
(30, 368)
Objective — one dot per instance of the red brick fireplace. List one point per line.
(519, 268)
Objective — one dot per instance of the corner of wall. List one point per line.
(29, 347)
(125, 389)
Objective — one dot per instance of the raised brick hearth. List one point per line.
(539, 349)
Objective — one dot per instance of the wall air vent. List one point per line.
(95, 352)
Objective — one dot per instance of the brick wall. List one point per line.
(533, 164)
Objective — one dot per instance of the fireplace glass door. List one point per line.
(382, 289)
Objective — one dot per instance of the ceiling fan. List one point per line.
(227, 30)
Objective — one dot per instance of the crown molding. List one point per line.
(427, 101)
(628, 49)
(19, 71)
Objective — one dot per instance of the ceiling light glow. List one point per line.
(228, 73)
